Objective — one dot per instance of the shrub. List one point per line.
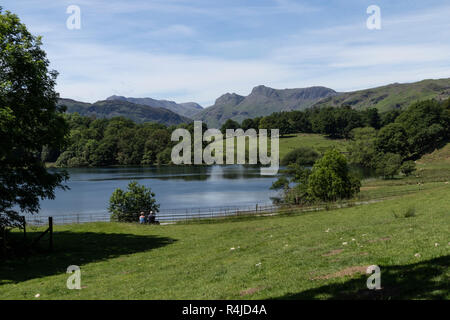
(410, 212)
(408, 167)
(330, 179)
(126, 206)
(303, 156)
(388, 165)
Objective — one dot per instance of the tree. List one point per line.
(126, 206)
(229, 124)
(392, 139)
(389, 165)
(427, 126)
(362, 150)
(248, 124)
(29, 121)
(372, 118)
(294, 175)
(330, 179)
(408, 167)
(302, 156)
(324, 121)
(389, 117)
(299, 121)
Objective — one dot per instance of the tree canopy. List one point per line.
(330, 178)
(127, 205)
(29, 121)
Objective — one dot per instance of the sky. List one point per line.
(197, 50)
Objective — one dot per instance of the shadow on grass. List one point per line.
(74, 248)
(423, 280)
(289, 135)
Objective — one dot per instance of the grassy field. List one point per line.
(302, 256)
(320, 255)
(317, 141)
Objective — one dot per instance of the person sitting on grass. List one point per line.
(142, 218)
(151, 217)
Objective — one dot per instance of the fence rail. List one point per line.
(192, 214)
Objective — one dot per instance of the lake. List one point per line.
(175, 187)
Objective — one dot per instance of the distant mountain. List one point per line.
(187, 109)
(136, 112)
(262, 101)
(391, 96)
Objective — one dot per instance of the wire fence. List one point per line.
(193, 214)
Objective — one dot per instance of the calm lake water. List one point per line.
(175, 187)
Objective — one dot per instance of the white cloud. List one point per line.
(173, 30)
(97, 71)
(94, 65)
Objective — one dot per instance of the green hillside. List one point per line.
(113, 108)
(391, 96)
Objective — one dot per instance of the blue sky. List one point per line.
(196, 50)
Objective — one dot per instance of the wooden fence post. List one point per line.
(3, 230)
(50, 229)
(24, 225)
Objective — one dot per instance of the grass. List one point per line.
(315, 255)
(316, 141)
(290, 142)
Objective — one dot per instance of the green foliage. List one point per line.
(362, 148)
(294, 175)
(30, 122)
(127, 205)
(392, 139)
(408, 167)
(116, 141)
(372, 118)
(229, 124)
(388, 165)
(330, 179)
(302, 156)
(409, 213)
(389, 117)
(427, 126)
(249, 124)
(337, 122)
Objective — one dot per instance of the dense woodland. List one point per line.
(410, 133)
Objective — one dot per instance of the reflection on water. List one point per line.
(175, 187)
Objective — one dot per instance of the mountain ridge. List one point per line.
(261, 101)
(391, 96)
(112, 108)
(186, 109)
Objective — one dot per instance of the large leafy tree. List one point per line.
(330, 178)
(362, 149)
(29, 120)
(127, 205)
(392, 139)
(427, 126)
